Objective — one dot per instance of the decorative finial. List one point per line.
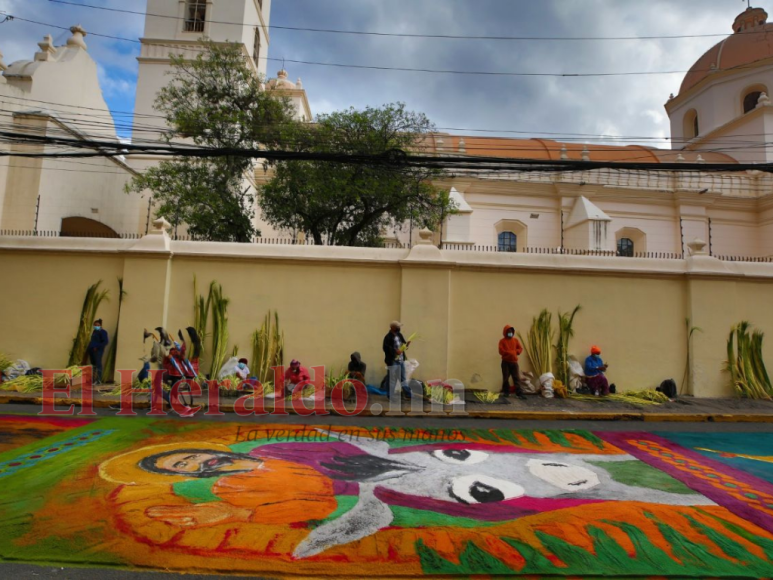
(46, 48)
(462, 146)
(299, 84)
(3, 66)
(585, 153)
(680, 158)
(76, 40)
(426, 236)
(282, 74)
(700, 159)
(696, 247)
(160, 227)
(764, 100)
(564, 153)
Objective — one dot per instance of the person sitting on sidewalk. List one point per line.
(509, 349)
(594, 372)
(175, 369)
(295, 375)
(242, 370)
(357, 368)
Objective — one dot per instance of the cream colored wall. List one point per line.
(333, 301)
(43, 296)
(326, 311)
(631, 339)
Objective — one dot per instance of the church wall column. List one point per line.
(425, 306)
(146, 279)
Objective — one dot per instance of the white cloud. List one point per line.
(631, 105)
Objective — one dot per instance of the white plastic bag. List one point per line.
(546, 382)
(410, 367)
(229, 368)
(576, 374)
(16, 370)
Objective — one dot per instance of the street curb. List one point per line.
(8, 399)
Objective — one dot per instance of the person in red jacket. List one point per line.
(296, 374)
(509, 349)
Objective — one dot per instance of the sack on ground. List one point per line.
(668, 388)
(546, 382)
(410, 367)
(16, 370)
(576, 374)
(527, 384)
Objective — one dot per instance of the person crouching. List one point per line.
(594, 371)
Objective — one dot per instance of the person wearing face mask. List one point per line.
(509, 349)
(296, 374)
(242, 370)
(96, 349)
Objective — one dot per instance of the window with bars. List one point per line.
(256, 47)
(508, 242)
(625, 247)
(195, 16)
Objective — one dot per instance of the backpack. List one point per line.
(668, 388)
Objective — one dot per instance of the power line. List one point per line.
(392, 158)
(410, 35)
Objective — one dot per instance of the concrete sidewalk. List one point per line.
(686, 409)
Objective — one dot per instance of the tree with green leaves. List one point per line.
(350, 204)
(214, 101)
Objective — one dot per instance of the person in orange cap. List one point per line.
(594, 372)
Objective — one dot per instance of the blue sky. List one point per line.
(626, 105)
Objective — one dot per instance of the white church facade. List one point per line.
(723, 104)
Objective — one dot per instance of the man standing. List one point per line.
(509, 349)
(594, 371)
(97, 347)
(394, 356)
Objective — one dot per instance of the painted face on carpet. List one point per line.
(349, 501)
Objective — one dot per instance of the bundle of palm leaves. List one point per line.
(486, 397)
(538, 345)
(5, 363)
(201, 308)
(23, 384)
(108, 371)
(219, 328)
(565, 332)
(342, 376)
(644, 397)
(267, 348)
(88, 314)
(439, 393)
(745, 364)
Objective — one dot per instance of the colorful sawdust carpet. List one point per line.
(356, 502)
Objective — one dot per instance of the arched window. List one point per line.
(750, 101)
(691, 126)
(625, 247)
(508, 242)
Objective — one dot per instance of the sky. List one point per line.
(630, 106)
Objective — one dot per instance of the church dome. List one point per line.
(752, 41)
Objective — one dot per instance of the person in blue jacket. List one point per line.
(96, 349)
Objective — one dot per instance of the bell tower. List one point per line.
(177, 27)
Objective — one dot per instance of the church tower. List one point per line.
(176, 26)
